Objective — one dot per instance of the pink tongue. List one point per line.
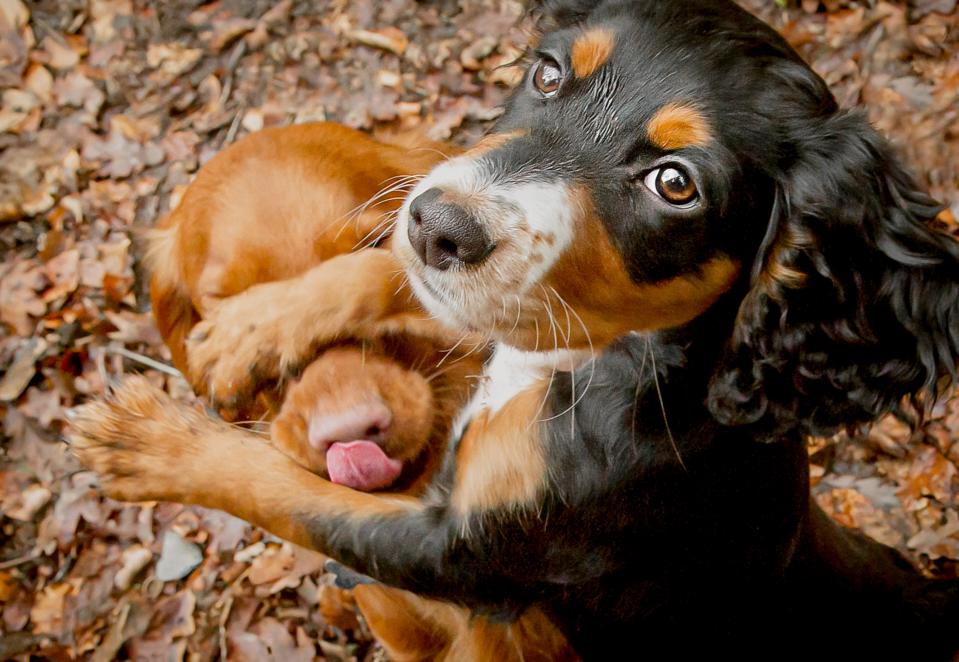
(361, 465)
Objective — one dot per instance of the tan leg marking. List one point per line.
(260, 334)
(500, 461)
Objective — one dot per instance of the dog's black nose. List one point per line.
(443, 233)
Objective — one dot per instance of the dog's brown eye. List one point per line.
(547, 77)
(673, 184)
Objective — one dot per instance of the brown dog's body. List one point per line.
(287, 201)
(276, 205)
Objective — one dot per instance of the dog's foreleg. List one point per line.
(145, 446)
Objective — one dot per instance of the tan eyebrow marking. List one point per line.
(678, 125)
(591, 50)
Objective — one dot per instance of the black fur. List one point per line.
(667, 531)
(869, 314)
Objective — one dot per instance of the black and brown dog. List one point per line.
(689, 259)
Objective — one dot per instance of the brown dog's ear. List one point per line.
(854, 302)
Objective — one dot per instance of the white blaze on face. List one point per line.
(547, 212)
(531, 225)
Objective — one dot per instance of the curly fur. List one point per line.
(854, 304)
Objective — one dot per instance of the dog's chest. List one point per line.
(510, 372)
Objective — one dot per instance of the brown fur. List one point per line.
(676, 126)
(264, 236)
(500, 461)
(606, 313)
(590, 51)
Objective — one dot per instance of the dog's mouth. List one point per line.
(353, 444)
(361, 465)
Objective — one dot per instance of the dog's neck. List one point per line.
(510, 371)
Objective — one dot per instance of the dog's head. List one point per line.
(357, 416)
(659, 156)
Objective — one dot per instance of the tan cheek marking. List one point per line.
(592, 278)
(500, 459)
(590, 51)
(675, 126)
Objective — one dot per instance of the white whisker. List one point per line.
(662, 406)
(592, 361)
(401, 182)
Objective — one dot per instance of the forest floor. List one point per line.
(107, 109)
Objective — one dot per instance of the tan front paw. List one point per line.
(242, 346)
(142, 443)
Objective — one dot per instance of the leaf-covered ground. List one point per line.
(109, 106)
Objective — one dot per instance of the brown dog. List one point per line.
(371, 411)
(267, 209)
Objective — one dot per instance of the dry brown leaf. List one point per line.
(135, 558)
(931, 474)
(63, 274)
(22, 369)
(228, 31)
(19, 299)
(389, 39)
(31, 502)
(173, 59)
(14, 13)
(275, 562)
(47, 612)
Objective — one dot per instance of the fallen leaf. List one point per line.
(47, 612)
(63, 273)
(173, 59)
(22, 369)
(19, 301)
(228, 31)
(14, 13)
(272, 564)
(32, 501)
(135, 558)
(389, 39)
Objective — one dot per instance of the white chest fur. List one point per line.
(510, 372)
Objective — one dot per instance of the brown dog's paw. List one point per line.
(240, 346)
(262, 334)
(140, 441)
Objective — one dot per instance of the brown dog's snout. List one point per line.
(370, 421)
(444, 233)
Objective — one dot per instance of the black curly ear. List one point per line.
(854, 302)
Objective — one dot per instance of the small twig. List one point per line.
(221, 627)
(234, 127)
(12, 563)
(145, 360)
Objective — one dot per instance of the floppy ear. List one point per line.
(854, 302)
